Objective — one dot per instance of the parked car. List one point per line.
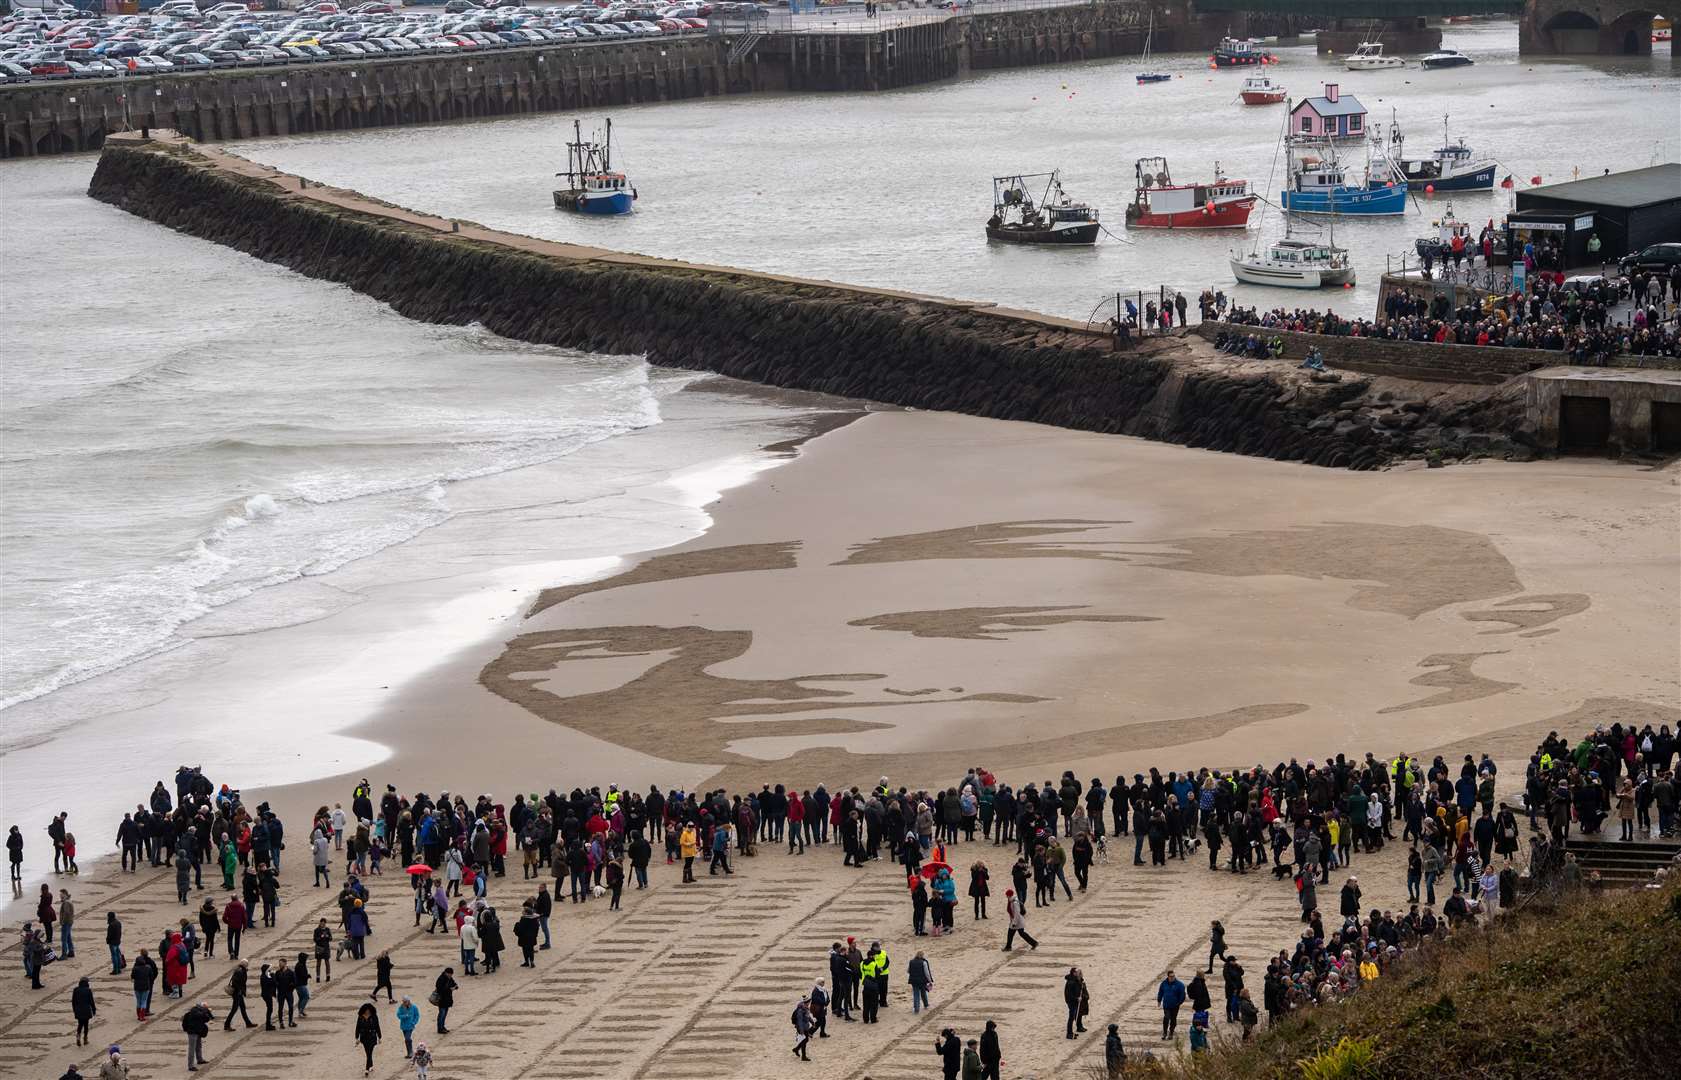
(1655, 257)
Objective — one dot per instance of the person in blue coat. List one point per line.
(1170, 995)
(408, 1018)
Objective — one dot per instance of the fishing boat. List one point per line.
(1262, 90)
(592, 187)
(1368, 56)
(1292, 263)
(1322, 185)
(1451, 167)
(1445, 58)
(1159, 203)
(1240, 52)
(1053, 219)
(1148, 76)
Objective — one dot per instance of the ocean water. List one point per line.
(188, 431)
(892, 189)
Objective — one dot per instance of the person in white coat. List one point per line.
(469, 944)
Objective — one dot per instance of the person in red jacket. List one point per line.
(175, 973)
(235, 919)
(796, 820)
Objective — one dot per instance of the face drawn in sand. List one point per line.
(1000, 540)
(681, 564)
(677, 708)
(985, 623)
(1456, 679)
(1540, 611)
(673, 692)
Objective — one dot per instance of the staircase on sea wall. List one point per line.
(1628, 863)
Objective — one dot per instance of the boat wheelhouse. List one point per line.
(1262, 89)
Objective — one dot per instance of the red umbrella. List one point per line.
(420, 868)
(931, 870)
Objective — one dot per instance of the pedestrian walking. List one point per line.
(1017, 918)
(367, 1033)
(992, 1053)
(950, 1049)
(83, 1008)
(802, 1028)
(238, 987)
(422, 1059)
(920, 975)
(1170, 995)
(382, 975)
(819, 998)
(408, 1018)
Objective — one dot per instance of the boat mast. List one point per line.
(607, 148)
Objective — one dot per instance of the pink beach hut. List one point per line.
(1334, 115)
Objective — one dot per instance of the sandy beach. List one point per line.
(911, 595)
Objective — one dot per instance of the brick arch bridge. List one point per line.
(1609, 28)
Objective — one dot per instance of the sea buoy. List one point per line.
(1430, 189)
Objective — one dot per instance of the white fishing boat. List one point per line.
(1368, 56)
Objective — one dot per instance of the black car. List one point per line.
(460, 7)
(1658, 257)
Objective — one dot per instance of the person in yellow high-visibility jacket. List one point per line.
(868, 977)
(688, 846)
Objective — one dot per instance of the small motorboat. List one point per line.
(1240, 52)
(1368, 56)
(1262, 90)
(1445, 58)
(1449, 232)
(1053, 219)
(1148, 76)
(592, 187)
(1295, 264)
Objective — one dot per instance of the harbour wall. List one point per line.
(897, 348)
(1424, 361)
(74, 116)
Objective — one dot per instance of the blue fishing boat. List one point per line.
(592, 186)
(1323, 186)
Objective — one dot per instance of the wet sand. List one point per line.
(913, 594)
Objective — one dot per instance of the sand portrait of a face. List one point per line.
(1058, 640)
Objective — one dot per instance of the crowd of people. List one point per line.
(1299, 821)
(1611, 773)
(1575, 319)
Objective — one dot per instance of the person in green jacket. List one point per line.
(230, 862)
(972, 1061)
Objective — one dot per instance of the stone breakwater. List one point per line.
(896, 348)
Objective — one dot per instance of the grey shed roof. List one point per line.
(1625, 190)
(1345, 105)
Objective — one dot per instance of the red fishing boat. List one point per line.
(1159, 203)
(1262, 90)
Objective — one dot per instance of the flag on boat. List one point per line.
(1534, 181)
(1507, 183)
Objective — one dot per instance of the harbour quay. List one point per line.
(771, 55)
